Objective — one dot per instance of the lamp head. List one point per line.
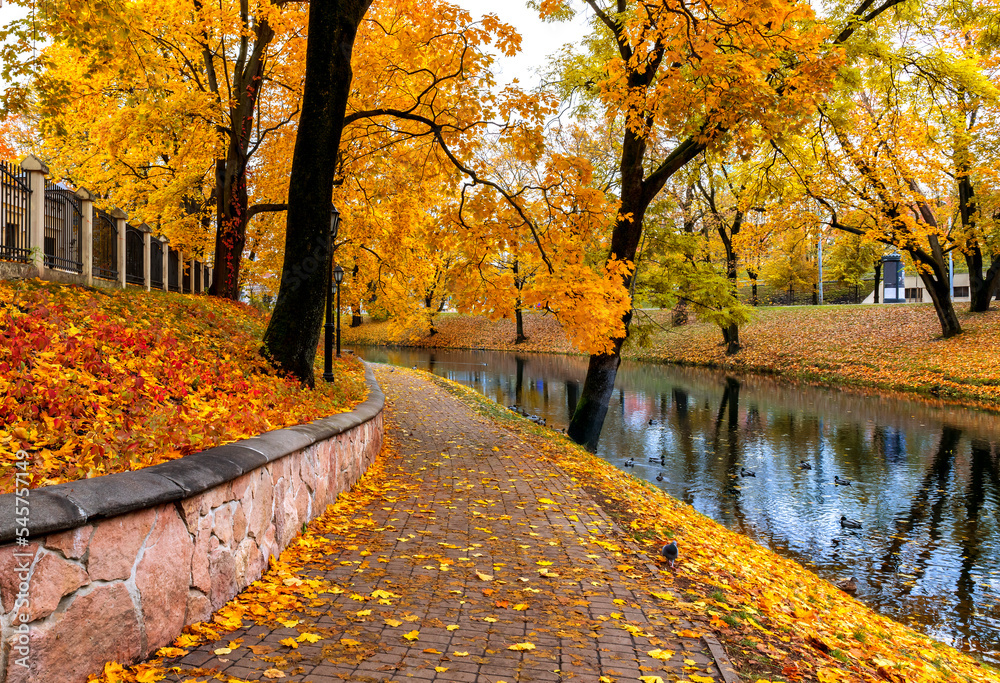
(334, 220)
(338, 274)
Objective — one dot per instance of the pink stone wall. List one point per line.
(121, 588)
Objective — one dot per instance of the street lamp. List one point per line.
(328, 327)
(338, 277)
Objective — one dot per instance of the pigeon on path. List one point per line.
(670, 553)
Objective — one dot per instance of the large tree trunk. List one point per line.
(293, 333)
(731, 336)
(356, 318)
(519, 319)
(878, 278)
(982, 287)
(592, 406)
(231, 173)
(937, 286)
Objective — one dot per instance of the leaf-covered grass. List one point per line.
(778, 620)
(896, 347)
(100, 381)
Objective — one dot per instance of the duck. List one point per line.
(651, 422)
(747, 473)
(803, 465)
(841, 482)
(849, 586)
(653, 459)
(849, 523)
(659, 477)
(630, 463)
(670, 553)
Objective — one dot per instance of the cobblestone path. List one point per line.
(477, 546)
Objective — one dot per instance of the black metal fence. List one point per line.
(172, 284)
(15, 216)
(186, 284)
(199, 269)
(806, 295)
(105, 246)
(63, 229)
(135, 248)
(155, 263)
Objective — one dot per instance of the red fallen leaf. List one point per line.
(792, 672)
(503, 604)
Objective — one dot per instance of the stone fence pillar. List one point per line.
(37, 170)
(166, 263)
(121, 219)
(87, 234)
(147, 277)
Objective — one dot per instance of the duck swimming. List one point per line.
(849, 523)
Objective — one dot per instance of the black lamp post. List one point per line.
(338, 277)
(328, 327)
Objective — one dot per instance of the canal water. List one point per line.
(925, 482)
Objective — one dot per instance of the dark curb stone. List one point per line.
(73, 504)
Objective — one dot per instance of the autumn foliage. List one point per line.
(94, 382)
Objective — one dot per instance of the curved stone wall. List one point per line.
(113, 568)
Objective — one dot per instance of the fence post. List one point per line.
(180, 271)
(211, 275)
(37, 170)
(120, 220)
(147, 277)
(166, 263)
(191, 275)
(87, 233)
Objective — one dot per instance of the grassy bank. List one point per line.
(896, 348)
(777, 620)
(97, 381)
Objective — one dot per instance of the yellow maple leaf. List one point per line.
(650, 679)
(663, 596)
(521, 606)
(701, 679)
(460, 654)
(149, 675)
(547, 501)
(348, 642)
(520, 647)
(393, 622)
(273, 673)
(222, 651)
(289, 642)
(452, 627)
(661, 654)
(309, 638)
(484, 577)
(412, 635)
(171, 652)
(364, 612)
(440, 669)
(605, 679)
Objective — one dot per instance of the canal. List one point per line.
(924, 478)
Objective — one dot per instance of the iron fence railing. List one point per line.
(199, 268)
(105, 245)
(186, 270)
(63, 229)
(172, 282)
(15, 216)
(134, 256)
(155, 263)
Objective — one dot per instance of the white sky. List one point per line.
(539, 40)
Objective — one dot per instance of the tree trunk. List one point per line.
(679, 316)
(293, 333)
(231, 173)
(592, 406)
(982, 287)
(355, 318)
(878, 277)
(731, 336)
(519, 318)
(937, 286)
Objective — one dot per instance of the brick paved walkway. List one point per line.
(464, 501)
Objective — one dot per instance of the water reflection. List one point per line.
(924, 478)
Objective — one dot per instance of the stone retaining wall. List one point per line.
(115, 566)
